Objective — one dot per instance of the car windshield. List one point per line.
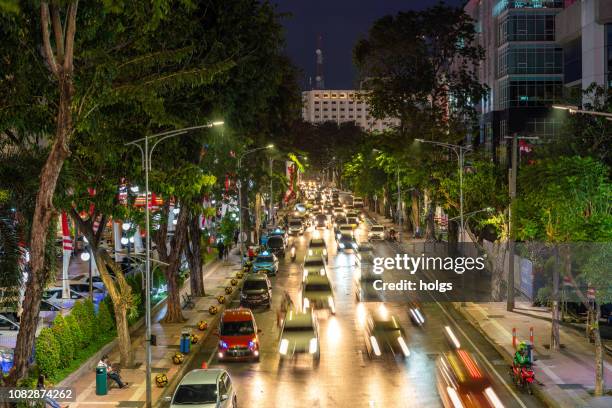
(317, 244)
(352, 220)
(314, 262)
(298, 328)
(317, 287)
(377, 228)
(275, 242)
(321, 217)
(254, 284)
(295, 223)
(189, 394)
(386, 325)
(264, 258)
(237, 328)
(346, 237)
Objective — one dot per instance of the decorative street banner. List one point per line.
(291, 173)
(67, 251)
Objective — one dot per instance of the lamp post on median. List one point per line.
(239, 185)
(575, 109)
(460, 152)
(146, 154)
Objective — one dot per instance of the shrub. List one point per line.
(106, 323)
(85, 317)
(77, 334)
(62, 334)
(47, 352)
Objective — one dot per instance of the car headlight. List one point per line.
(493, 398)
(284, 345)
(322, 271)
(338, 236)
(341, 245)
(403, 346)
(310, 252)
(330, 302)
(324, 252)
(354, 245)
(306, 303)
(375, 347)
(305, 273)
(312, 346)
(223, 345)
(243, 296)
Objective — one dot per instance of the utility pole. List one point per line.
(511, 244)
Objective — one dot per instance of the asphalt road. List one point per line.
(346, 377)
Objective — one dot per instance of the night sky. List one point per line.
(342, 23)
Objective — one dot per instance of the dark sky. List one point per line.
(342, 23)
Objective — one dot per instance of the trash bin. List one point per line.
(101, 384)
(185, 344)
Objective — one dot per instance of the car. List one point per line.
(317, 293)
(205, 388)
(383, 333)
(238, 336)
(296, 226)
(9, 320)
(299, 335)
(376, 232)
(276, 245)
(461, 382)
(346, 241)
(314, 264)
(364, 284)
(266, 262)
(278, 231)
(256, 291)
(352, 221)
(417, 316)
(320, 220)
(338, 212)
(364, 253)
(317, 246)
(358, 202)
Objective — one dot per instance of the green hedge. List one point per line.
(63, 336)
(47, 352)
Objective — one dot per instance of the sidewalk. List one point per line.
(217, 276)
(568, 376)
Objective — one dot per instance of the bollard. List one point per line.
(514, 338)
(531, 335)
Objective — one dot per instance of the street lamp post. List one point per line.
(512, 192)
(146, 154)
(575, 109)
(239, 185)
(460, 152)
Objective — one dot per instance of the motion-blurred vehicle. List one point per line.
(299, 335)
(417, 316)
(317, 246)
(314, 264)
(358, 202)
(210, 388)
(266, 262)
(364, 251)
(364, 282)
(238, 338)
(276, 245)
(462, 383)
(376, 232)
(256, 291)
(320, 221)
(345, 241)
(383, 333)
(296, 227)
(317, 293)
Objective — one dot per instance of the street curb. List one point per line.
(195, 349)
(537, 390)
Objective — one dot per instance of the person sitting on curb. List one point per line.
(49, 402)
(112, 374)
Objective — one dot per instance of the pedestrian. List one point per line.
(226, 251)
(236, 235)
(220, 249)
(47, 399)
(112, 374)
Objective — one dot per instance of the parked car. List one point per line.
(210, 388)
(256, 291)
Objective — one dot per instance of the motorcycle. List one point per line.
(392, 235)
(523, 377)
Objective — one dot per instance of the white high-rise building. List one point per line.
(340, 106)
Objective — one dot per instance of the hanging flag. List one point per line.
(67, 246)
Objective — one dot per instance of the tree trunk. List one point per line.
(193, 249)
(599, 362)
(43, 213)
(416, 221)
(174, 313)
(430, 226)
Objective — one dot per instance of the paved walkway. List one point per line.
(216, 277)
(567, 376)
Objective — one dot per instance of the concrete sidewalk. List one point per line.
(217, 276)
(567, 376)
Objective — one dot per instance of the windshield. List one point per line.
(315, 244)
(381, 228)
(317, 287)
(385, 326)
(264, 258)
(243, 328)
(254, 284)
(275, 242)
(295, 223)
(321, 217)
(352, 220)
(314, 262)
(196, 394)
(298, 329)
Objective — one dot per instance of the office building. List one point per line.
(341, 106)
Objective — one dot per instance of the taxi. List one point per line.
(266, 262)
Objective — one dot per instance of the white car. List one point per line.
(376, 232)
(299, 334)
(210, 388)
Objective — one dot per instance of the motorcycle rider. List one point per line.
(521, 357)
